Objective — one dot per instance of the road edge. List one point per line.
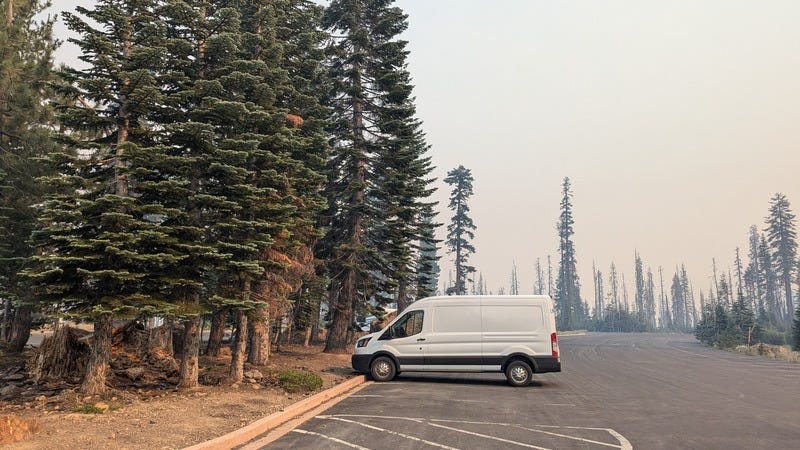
(265, 424)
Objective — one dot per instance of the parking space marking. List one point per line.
(383, 430)
(486, 436)
(606, 444)
(339, 441)
(624, 444)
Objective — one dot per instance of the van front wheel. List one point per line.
(382, 369)
(519, 373)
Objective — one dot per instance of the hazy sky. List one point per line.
(676, 121)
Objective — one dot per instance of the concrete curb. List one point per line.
(261, 426)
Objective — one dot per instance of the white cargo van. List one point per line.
(514, 334)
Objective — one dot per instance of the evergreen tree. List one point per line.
(538, 287)
(26, 47)
(782, 238)
(690, 310)
(743, 320)
(614, 285)
(599, 295)
(650, 301)
(569, 306)
(283, 35)
(514, 280)
(752, 273)
(639, 292)
(769, 281)
(678, 303)
(97, 240)
(460, 231)
(665, 317)
(428, 260)
(378, 174)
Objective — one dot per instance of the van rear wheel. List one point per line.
(519, 373)
(382, 369)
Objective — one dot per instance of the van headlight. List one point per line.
(363, 342)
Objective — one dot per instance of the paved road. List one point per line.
(647, 391)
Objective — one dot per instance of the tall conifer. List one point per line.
(26, 47)
(461, 229)
(97, 240)
(569, 306)
(782, 238)
(378, 171)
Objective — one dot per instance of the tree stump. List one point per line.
(62, 356)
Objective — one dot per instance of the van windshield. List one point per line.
(408, 325)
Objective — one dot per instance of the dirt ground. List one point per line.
(163, 418)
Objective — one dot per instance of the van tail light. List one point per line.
(554, 344)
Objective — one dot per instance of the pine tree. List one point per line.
(428, 259)
(569, 306)
(752, 274)
(650, 301)
(679, 316)
(514, 290)
(97, 240)
(282, 35)
(639, 292)
(769, 281)
(26, 47)
(782, 238)
(378, 172)
(614, 285)
(690, 310)
(460, 231)
(538, 287)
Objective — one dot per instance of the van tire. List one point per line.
(382, 369)
(519, 373)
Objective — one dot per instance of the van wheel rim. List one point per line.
(519, 374)
(383, 369)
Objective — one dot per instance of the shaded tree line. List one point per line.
(251, 164)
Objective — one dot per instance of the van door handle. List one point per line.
(420, 339)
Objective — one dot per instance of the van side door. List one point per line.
(454, 340)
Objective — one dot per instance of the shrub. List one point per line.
(773, 337)
(299, 381)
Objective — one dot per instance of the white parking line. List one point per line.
(606, 444)
(486, 436)
(624, 444)
(297, 430)
(383, 430)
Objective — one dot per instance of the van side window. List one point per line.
(408, 325)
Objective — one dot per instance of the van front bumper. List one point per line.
(360, 363)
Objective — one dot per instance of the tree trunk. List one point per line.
(217, 332)
(402, 296)
(20, 329)
(94, 382)
(239, 347)
(5, 327)
(342, 316)
(62, 356)
(160, 338)
(190, 365)
(259, 341)
(307, 340)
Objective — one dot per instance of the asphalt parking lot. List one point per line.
(651, 391)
